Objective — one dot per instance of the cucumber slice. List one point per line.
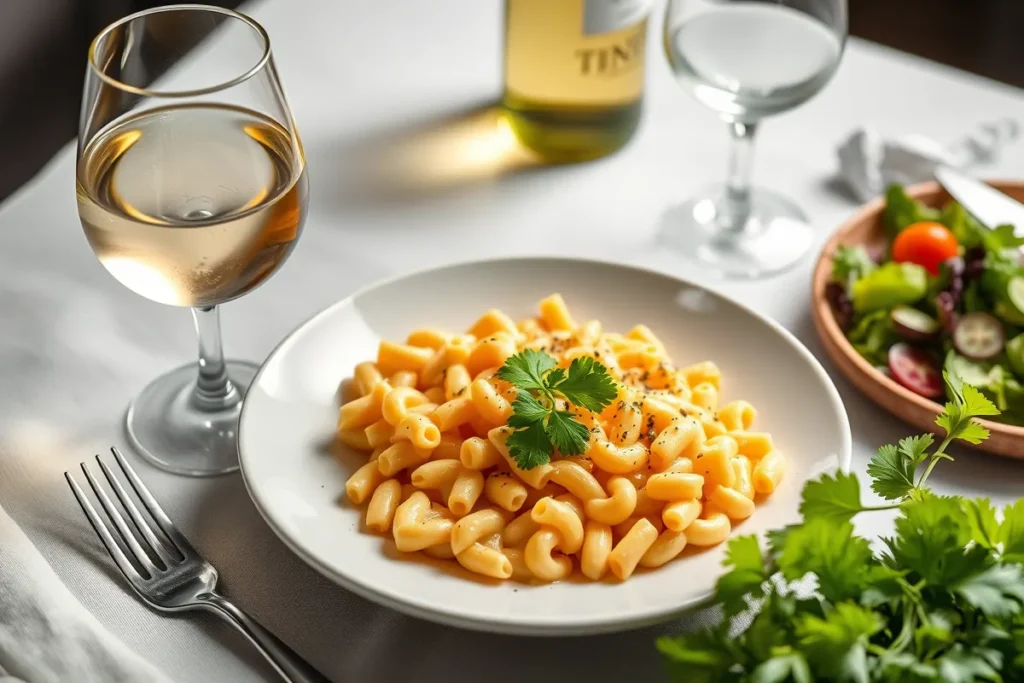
(911, 323)
(979, 336)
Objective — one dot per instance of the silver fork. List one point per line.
(166, 571)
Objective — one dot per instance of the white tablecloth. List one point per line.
(75, 345)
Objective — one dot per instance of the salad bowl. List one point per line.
(867, 229)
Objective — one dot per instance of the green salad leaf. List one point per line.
(872, 336)
(901, 211)
(851, 263)
(891, 284)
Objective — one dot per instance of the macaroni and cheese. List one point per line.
(668, 464)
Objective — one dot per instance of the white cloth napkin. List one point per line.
(46, 636)
(868, 163)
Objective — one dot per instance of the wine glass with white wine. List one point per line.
(748, 59)
(191, 193)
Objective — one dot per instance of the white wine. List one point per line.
(574, 74)
(192, 205)
(748, 60)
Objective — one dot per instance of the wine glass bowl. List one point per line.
(747, 60)
(190, 194)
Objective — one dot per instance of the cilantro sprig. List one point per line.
(539, 417)
(941, 600)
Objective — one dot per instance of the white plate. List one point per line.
(287, 431)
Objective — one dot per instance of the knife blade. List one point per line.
(987, 204)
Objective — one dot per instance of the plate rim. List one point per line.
(562, 625)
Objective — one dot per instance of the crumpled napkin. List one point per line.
(868, 162)
(46, 636)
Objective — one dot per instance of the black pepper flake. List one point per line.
(461, 391)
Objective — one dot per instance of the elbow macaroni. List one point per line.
(669, 463)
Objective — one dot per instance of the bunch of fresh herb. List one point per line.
(940, 601)
(540, 416)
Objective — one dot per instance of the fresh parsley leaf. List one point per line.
(791, 666)
(961, 666)
(769, 629)
(905, 666)
(972, 433)
(529, 446)
(1011, 532)
(526, 369)
(884, 586)
(526, 410)
(915, 448)
(982, 519)
(701, 657)
(931, 536)
(968, 402)
(587, 384)
(829, 550)
(833, 498)
(555, 376)
(540, 425)
(946, 603)
(566, 434)
(997, 591)
(891, 472)
(836, 645)
(743, 554)
(936, 633)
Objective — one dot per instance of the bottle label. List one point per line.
(605, 16)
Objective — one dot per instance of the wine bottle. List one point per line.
(574, 74)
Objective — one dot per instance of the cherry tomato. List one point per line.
(927, 244)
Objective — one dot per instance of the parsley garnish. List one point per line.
(941, 600)
(539, 419)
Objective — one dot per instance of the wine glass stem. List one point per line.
(736, 206)
(213, 389)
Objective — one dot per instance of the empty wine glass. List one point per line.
(191, 193)
(748, 59)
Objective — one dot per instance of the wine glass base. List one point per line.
(168, 430)
(773, 238)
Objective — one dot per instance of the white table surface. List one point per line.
(368, 80)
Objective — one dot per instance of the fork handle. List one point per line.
(288, 665)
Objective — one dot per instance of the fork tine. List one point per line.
(122, 527)
(162, 520)
(98, 525)
(137, 519)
